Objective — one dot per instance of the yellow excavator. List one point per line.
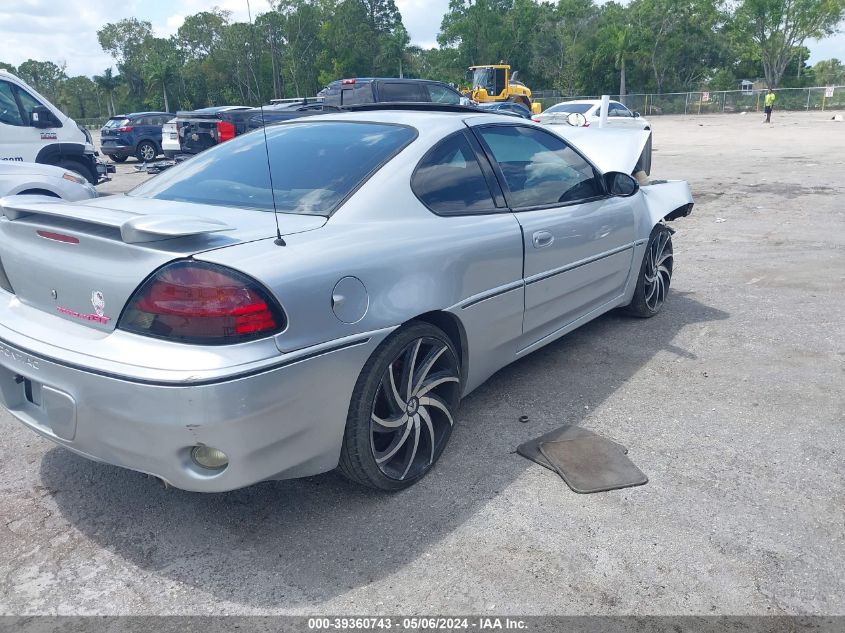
(494, 82)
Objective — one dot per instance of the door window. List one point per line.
(10, 114)
(442, 94)
(539, 168)
(449, 180)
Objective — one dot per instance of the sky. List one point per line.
(66, 30)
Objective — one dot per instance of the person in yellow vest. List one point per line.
(769, 102)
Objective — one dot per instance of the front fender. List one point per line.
(667, 200)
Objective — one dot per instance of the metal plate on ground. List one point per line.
(591, 463)
(531, 448)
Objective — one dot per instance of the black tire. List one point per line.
(118, 159)
(417, 442)
(146, 151)
(80, 168)
(655, 275)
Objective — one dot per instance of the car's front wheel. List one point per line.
(655, 274)
(403, 409)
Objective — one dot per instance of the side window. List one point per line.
(617, 109)
(399, 91)
(539, 168)
(28, 102)
(449, 180)
(144, 120)
(442, 94)
(10, 114)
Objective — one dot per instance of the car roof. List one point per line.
(131, 114)
(402, 79)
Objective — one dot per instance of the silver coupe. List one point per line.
(318, 294)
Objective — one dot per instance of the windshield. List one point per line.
(315, 166)
(572, 108)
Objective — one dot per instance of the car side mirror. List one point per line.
(637, 115)
(41, 117)
(620, 184)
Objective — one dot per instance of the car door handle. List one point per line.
(542, 239)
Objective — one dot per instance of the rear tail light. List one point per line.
(225, 131)
(126, 128)
(347, 82)
(536, 119)
(196, 302)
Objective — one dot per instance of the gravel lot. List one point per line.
(731, 401)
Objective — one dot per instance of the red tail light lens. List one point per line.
(126, 128)
(225, 131)
(195, 302)
(347, 82)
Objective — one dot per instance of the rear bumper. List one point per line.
(117, 150)
(286, 421)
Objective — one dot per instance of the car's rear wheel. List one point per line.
(118, 159)
(146, 151)
(403, 409)
(655, 274)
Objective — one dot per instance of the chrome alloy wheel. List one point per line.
(412, 413)
(658, 273)
(148, 152)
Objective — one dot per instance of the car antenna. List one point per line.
(278, 241)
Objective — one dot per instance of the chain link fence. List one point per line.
(819, 98)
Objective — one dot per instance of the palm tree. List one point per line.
(616, 42)
(161, 66)
(108, 83)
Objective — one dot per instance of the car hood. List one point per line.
(609, 149)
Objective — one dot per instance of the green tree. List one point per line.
(9, 67)
(779, 27)
(616, 41)
(561, 49)
(125, 41)
(79, 97)
(299, 46)
(107, 83)
(829, 72)
(45, 77)
(161, 64)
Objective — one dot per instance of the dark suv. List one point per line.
(137, 134)
(345, 92)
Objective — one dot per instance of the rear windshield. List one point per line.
(120, 122)
(315, 166)
(573, 108)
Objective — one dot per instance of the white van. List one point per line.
(34, 130)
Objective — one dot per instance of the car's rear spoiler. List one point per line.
(133, 227)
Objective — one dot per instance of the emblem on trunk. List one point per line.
(98, 302)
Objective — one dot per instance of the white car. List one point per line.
(170, 139)
(46, 180)
(617, 114)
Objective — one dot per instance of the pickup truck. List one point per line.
(201, 129)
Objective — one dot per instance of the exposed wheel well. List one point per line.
(454, 329)
(37, 192)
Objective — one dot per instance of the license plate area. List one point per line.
(46, 408)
